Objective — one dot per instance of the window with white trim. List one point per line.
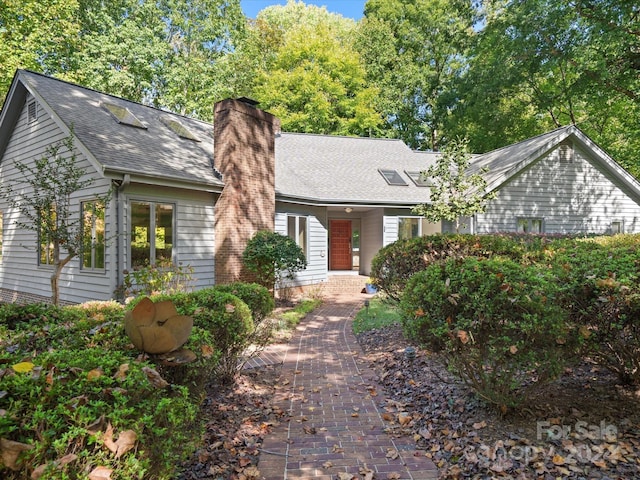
(617, 226)
(152, 237)
(297, 230)
(93, 253)
(411, 227)
(530, 225)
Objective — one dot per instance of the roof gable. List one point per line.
(117, 147)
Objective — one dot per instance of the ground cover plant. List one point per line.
(77, 400)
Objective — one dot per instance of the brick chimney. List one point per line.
(244, 153)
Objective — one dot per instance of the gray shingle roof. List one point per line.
(156, 151)
(334, 169)
(320, 169)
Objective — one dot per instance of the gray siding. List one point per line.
(371, 231)
(317, 246)
(19, 269)
(570, 195)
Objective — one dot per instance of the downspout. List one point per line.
(124, 183)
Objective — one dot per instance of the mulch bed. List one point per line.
(583, 426)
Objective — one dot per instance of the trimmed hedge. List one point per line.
(496, 322)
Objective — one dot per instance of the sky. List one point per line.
(346, 8)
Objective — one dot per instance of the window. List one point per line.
(297, 230)
(529, 225)
(392, 177)
(617, 226)
(123, 115)
(151, 233)
(32, 111)
(411, 227)
(92, 257)
(178, 128)
(47, 225)
(419, 179)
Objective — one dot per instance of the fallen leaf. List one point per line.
(479, 425)
(404, 419)
(100, 473)
(393, 476)
(252, 472)
(121, 374)
(558, 460)
(126, 441)
(387, 417)
(11, 451)
(154, 377)
(94, 374)
(513, 349)
(96, 426)
(392, 454)
(327, 464)
(23, 367)
(207, 351)
(463, 336)
(345, 476)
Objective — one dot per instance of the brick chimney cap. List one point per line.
(249, 101)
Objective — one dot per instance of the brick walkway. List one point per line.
(335, 425)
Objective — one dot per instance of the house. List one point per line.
(194, 193)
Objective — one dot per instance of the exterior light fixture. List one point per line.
(348, 209)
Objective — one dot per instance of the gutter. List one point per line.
(122, 185)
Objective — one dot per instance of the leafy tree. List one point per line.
(120, 49)
(43, 195)
(413, 50)
(299, 62)
(541, 64)
(33, 35)
(199, 33)
(273, 257)
(455, 192)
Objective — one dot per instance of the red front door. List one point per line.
(340, 245)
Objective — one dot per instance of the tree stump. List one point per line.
(156, 328)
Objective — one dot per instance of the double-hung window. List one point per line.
(152, 233)
(93, 235)
(297, 230)
(411, 227)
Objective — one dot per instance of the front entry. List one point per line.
(340, 257)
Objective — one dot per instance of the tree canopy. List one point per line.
(424, 71)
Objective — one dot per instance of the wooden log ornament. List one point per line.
(157, 328)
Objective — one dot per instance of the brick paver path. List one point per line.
(335, 425)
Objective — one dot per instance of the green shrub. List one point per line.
(153, 279)
(600, 281)
(273, 257)
(495, 321)
(257, 298)
(396, 263)
(224, 320)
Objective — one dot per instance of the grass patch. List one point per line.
(380, 313)
(292, 317)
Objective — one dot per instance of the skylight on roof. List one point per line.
(419, 179)
(392, 177)
(123, 115)
(178, 128)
